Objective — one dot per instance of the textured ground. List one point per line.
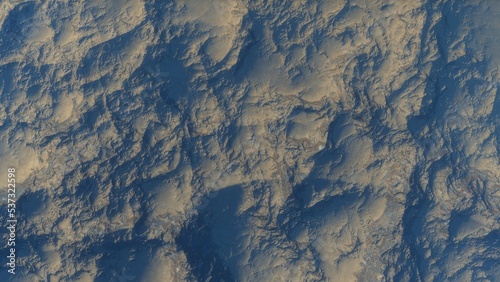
(252, 140)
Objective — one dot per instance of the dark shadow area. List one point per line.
(13, 27)
(196, 242)
(212, 235)
(30, 203)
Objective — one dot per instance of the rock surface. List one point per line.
(255, 140)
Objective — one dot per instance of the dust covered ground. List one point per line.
(253, 140)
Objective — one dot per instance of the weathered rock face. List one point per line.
(252, 141)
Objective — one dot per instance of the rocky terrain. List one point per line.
(334, 140)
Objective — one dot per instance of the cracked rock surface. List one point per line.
(257, 140)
